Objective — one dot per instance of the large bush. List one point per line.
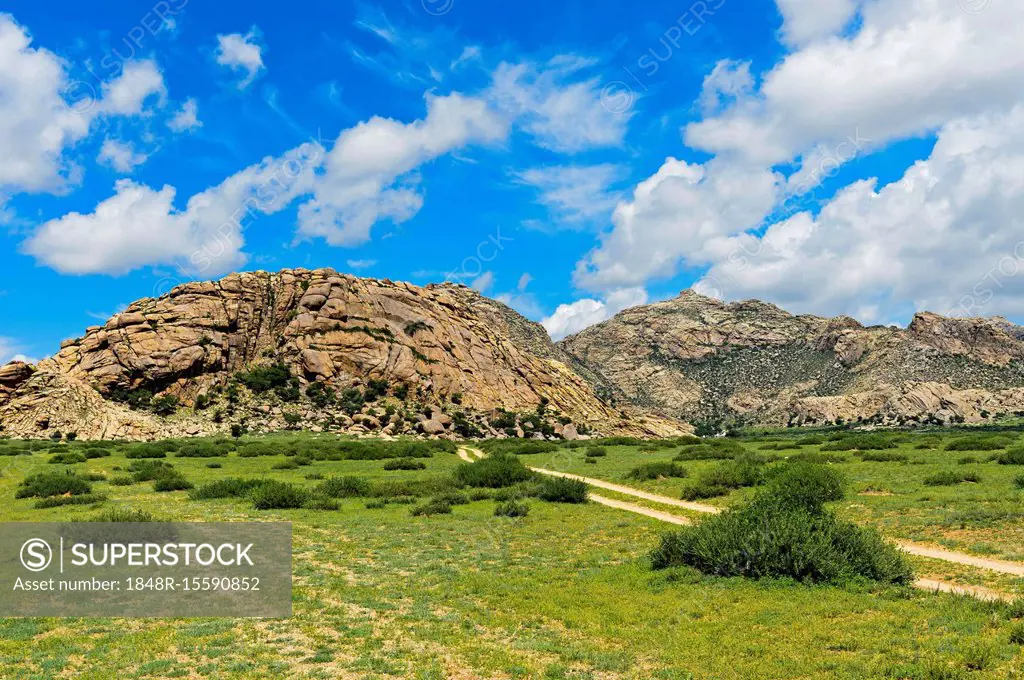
(225, 488)
(275, 495)
(562, 490)
(656, 471)
(343, 487)
(1014, 456)
(861, 442)
(786, 531)
(744, 471)
(494, 472)
(52, 484)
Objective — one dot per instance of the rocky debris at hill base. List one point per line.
(243, 353)
(697, 358)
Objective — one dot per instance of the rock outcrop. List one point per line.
(698, 358)
(443, 348)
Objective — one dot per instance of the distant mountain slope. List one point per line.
(420, 357)
(697, 358)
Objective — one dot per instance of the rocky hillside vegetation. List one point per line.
(312, 350)
(707, 361)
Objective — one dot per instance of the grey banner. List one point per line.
(155, 569)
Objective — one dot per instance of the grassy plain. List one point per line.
(565, 592)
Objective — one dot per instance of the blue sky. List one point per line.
(838, 156)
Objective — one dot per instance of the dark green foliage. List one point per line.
(69, 458)
(208, 448)
(92, 476)
(414, 327)
(1019, 482)
(707, 428)
(165, 405)
(214, 466)
(52, 484)
(951, 478)
(275, 495)
(861, 442)
(711, 449)
(202, 402)
(978, 443)
(321, 395)
(596, 452)
(1014, 456)
(452, 498)
(1017, 634)
(171, 480)
(820, 458)
(405, 464)
(967, 460)
(511, 509)
(432, 507)
(321, 504)
(57, 501)
(352, 401)
(148, 470)
(496, 471)
(656, 470)
(883, 457)
(519, 447)
(225, 488)
(262, 379)
(122, 480)
(375, 389)
(140, 451)
(120, 514)
(466, 428)
(786, 532)
(96, 453)
(343, 487)
(135, 399)
(289, 464)
(744, 471)
(562, 490)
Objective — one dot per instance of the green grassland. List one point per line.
(565, 592)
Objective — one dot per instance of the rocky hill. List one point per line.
(697, 358)
(311, 349)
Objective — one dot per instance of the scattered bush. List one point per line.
(967, 460)
(861, 442)
(562, 490)
(950, 478)
(1014, 456)
(57, 501)
(596, 452)
(92, 454)
(67, 459)
(120, 514)
(52, 484)
(171, 481)
(649, 471)
(144, 453)
(275, 495)
(289, 464)
(225, 488)
(93, 476)
(1019, 482)
(818, 458)
(148, 470)
(785, 532)
(1017, 634)
(511, 509)
(431, 507)
(343, 487)
(495, 472)
(882, 457)
(214, 466)
(744, 471)
(405, 464)
(978, 443)
(321, 504)
(122, 480)
(165, 405)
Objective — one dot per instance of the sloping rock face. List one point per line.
(440, 344)
(697, 358)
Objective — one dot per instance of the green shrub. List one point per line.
(214, 466)
(66, 459)
(596, 452)
(1019, 481)
(882, 457)
(785, 531)
(148, 470)
(165, 405)
(343, 487)
(818, 458)
(950, 478)
(649, 471)
(171, 481)
(275, 495)
(265, 378)
(376, 505)
(967, 460)
(711, 449)
(205, 449)
(122, 480)
(496, 471)
(511, 509)
(745, 471)
(978, 443)
(121, 514)
(289, 464)
(57, 501)
(431, 507)
(93, 476)
(318, 503)
(452, 498)
(225, 488)
(405, 464)
(92, 454)
(861, 442)
(562, 490)
(50, 484)
(1014, 456)
(1017, 634)
(135, 454)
